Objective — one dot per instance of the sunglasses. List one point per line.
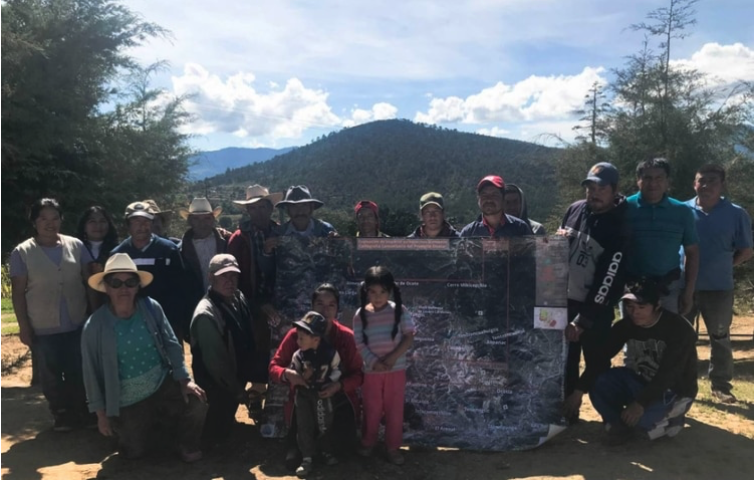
(117, 283)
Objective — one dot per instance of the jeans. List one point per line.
(314, 421)
(715, 307)
(343, 434)
(60, 371)
(616, 388)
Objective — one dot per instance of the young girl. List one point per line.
(383, 332)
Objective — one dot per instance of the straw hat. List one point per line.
(200, 206)
(118, 263)
(255, 193)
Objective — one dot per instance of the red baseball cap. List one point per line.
(494, 180)
(366, 204)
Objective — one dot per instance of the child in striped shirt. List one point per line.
(383, 332)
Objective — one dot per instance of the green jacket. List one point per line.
(213, 346)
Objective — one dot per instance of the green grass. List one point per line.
(8, 318)
(7, 305)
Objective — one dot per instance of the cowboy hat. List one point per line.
(299, 194)
(255, 193)
(118, 263)
(153, 208)
(200, 206)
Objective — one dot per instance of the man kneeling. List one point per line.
(658, 384)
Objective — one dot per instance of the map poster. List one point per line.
(482, 373)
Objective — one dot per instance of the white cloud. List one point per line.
(724, 64)
(495, 132)
(235, 106)
(535, 98)
(332, 39)
(378, 112)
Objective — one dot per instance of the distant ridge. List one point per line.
(209, 163)
(394, 162)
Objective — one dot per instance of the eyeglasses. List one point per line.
(117, 283)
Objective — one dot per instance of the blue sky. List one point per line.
(281, 73)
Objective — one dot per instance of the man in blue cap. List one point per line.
(598, 236)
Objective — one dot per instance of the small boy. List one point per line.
(318, 363)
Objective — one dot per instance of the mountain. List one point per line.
(209, 163)
(395, 162)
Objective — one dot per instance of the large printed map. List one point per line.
(486, 369)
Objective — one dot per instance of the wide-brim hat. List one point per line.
(200, 206)
(118, 263)
(299, 194)
(153, 208)
(255, 193)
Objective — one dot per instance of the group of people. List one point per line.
(107, 319)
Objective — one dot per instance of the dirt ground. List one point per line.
(717, 443)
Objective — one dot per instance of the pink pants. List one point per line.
(383, 396)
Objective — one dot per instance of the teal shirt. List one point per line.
(140, 368)
(657, 232)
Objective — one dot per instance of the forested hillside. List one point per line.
(210, 163)
(394, 162)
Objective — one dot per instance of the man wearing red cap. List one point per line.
(493, 222)
(368, 221)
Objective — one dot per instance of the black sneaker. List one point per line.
(292, 459)
(305, 467)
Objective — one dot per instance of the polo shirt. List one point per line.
(513, 227)
(657, 232)
(722, 231)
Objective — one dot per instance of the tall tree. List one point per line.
(62, 60)
(669, 23)
(592, 115)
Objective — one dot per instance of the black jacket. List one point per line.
(598, 246)
(536, 227)
(664, 355)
